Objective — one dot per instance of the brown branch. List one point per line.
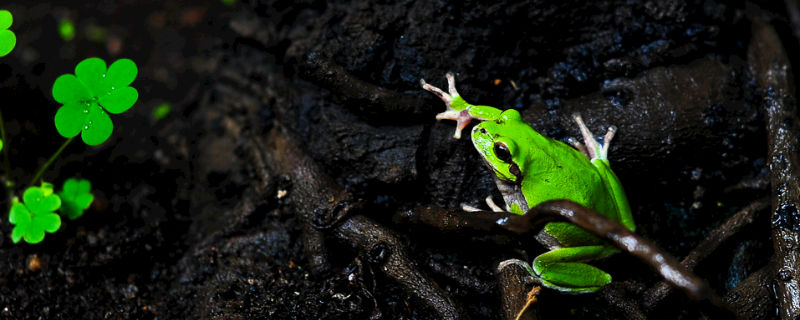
(373, 240)
(534, 219)
(321, 201)
(771, 69)
(645, 250)
(715, 238)
(312, 192)
(451, 220)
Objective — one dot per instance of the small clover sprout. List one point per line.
(7, 38)
(75, 197)
(162, 111)
(34, 215)
(89, 94)
(66, 29)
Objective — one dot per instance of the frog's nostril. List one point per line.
(483, 130)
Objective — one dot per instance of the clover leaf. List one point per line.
(34, 215)
(89, 94)
(7, 38)
(75, 197)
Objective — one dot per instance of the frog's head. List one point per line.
(497, 141)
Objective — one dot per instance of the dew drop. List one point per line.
(85, 127)
(104, 75)
(112, 88)
(86, 110)
(90, 122)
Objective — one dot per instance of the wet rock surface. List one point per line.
(200, 215)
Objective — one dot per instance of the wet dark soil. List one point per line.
(188, 223)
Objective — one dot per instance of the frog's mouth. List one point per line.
(513, 168)
(512, 195)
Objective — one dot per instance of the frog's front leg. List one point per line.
(562, 269)
(457, 108)
(489, 202)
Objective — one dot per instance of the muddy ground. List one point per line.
(285, 112)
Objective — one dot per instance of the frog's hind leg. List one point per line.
(594, 150)
(578, 146)
(563, 269)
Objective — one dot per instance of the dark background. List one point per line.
(166, 238)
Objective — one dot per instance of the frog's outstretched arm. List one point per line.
(457, 108)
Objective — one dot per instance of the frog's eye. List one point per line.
(501, 152)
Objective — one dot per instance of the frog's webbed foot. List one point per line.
(457, 108)
(593, 149)
(489, 202)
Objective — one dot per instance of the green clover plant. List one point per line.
(89, 94)
(66, 29)
(7, 38)
(35, 214)
(76, 197)
(162, 111)
(86, 97)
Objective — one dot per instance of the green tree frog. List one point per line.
(529, 169)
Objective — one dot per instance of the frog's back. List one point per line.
(574, 177)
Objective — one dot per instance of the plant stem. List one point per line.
(49, 162)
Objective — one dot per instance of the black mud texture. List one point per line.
(299, 132)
